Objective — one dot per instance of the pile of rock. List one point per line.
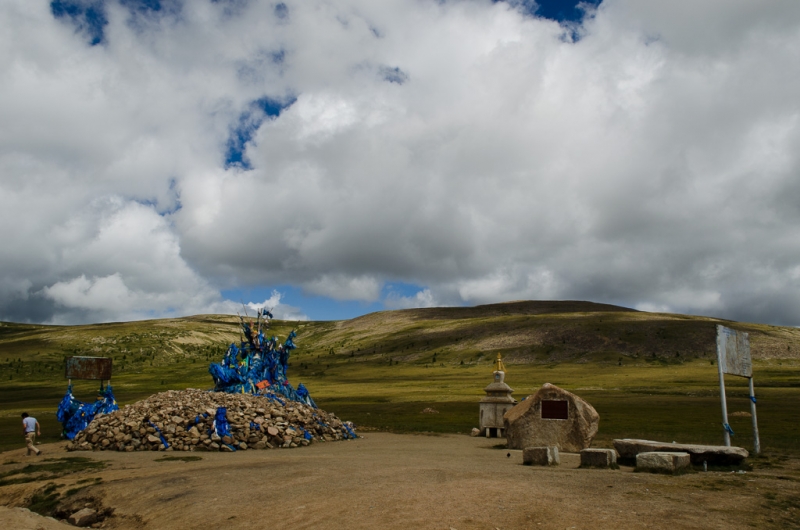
(184, 420)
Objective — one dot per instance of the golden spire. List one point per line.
(498, 364)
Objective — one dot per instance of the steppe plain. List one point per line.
(649, 375)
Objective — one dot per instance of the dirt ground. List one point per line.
(408, 481)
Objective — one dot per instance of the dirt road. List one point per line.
(414, 481)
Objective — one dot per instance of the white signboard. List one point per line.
(733, 349)
(733, 357)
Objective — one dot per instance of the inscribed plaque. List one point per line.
(555, 410)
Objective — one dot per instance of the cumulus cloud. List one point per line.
(423, 298)
(344, 287)
(645, 157)
(273, 305)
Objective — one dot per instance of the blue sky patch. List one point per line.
(249, 121)
(142, 6)
(88, 18)
(322, 307)
(563, 10)
(401, 289)
(315, 307)
(558, 10)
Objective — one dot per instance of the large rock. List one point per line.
(602, 458)
(552, 417)
(662, 461)
(715, 455)
(83, 517)
(540, 456)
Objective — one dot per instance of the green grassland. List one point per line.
(648, 375)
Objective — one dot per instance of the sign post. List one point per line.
(733, 357)
(92, 368)
(727, 428)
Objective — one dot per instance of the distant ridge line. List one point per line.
(520, 307)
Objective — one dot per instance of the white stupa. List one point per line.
(497, 402)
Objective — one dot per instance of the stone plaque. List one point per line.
(555, 409)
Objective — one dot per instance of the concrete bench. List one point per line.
(540, 456)
(662, 462)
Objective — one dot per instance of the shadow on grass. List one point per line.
(49, 469)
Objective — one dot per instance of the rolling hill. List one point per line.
(527, 332)
(648, 374)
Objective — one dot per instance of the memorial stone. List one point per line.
(551, 417)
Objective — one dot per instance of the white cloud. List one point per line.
(343, 287)
(509, 284)
(653, 163)
(702, 302)
(423, 298)
(321, 116)
(96, 294)
(279, 311)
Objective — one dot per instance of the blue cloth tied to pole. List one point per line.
(160, 435)
(307, 435)
(195, 421)
(302, 393)
(259, 366)
(728, 428)
(221, 426)
(348, 432)
(75, 415)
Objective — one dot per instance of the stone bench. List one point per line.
(663, 462)
(540, 456)
(717, 455)
(601, 458)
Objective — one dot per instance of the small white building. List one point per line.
(497, 402)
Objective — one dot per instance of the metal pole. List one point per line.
(720, 353)
(756, 441)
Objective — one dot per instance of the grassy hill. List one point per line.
(382, 369)
(523, 332)
(537, 332)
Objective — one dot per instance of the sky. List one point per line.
(330, 158)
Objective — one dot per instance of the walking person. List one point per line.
(31, 429)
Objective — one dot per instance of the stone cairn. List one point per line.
(183, 420)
